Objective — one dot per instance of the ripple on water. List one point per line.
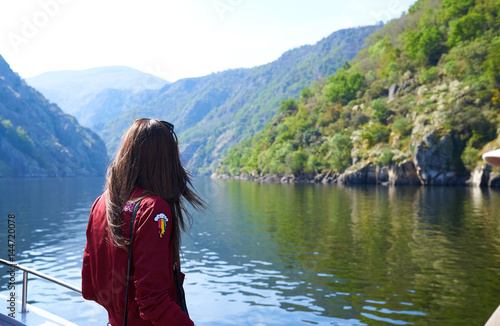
(367, 259)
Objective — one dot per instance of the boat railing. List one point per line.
(26, 271)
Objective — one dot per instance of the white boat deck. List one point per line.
(34, 317)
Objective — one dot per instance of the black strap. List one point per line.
(132, 220)
(180, 289)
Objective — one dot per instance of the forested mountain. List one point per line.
(94, 96)
(213, 113)
(38, 139)
(419, 105)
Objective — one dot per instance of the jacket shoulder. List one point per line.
(152, 206)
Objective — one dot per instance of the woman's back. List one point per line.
(148, 158)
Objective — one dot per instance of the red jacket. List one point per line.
(152, 296)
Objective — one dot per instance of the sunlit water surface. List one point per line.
(267, 254)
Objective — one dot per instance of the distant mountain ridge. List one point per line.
(98, 94)
(118, 77)
(38, 140)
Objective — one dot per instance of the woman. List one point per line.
(146, 168)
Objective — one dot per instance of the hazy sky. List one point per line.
(172, 39)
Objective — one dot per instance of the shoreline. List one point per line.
(327, 178)
(395, 174)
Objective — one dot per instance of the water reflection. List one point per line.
(363, 255)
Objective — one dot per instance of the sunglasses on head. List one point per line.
(168, 125)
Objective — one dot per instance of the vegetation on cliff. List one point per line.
(431, 76)
(37, 139)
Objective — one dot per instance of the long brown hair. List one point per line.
(149, 158)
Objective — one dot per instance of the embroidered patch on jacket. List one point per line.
(129, 208)
(162, 220)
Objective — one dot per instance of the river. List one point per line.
(272, 254)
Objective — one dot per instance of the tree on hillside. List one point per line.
(426, 46)
(343, 86)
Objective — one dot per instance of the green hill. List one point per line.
(418, 105)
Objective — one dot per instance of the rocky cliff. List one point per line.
(38, 140)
